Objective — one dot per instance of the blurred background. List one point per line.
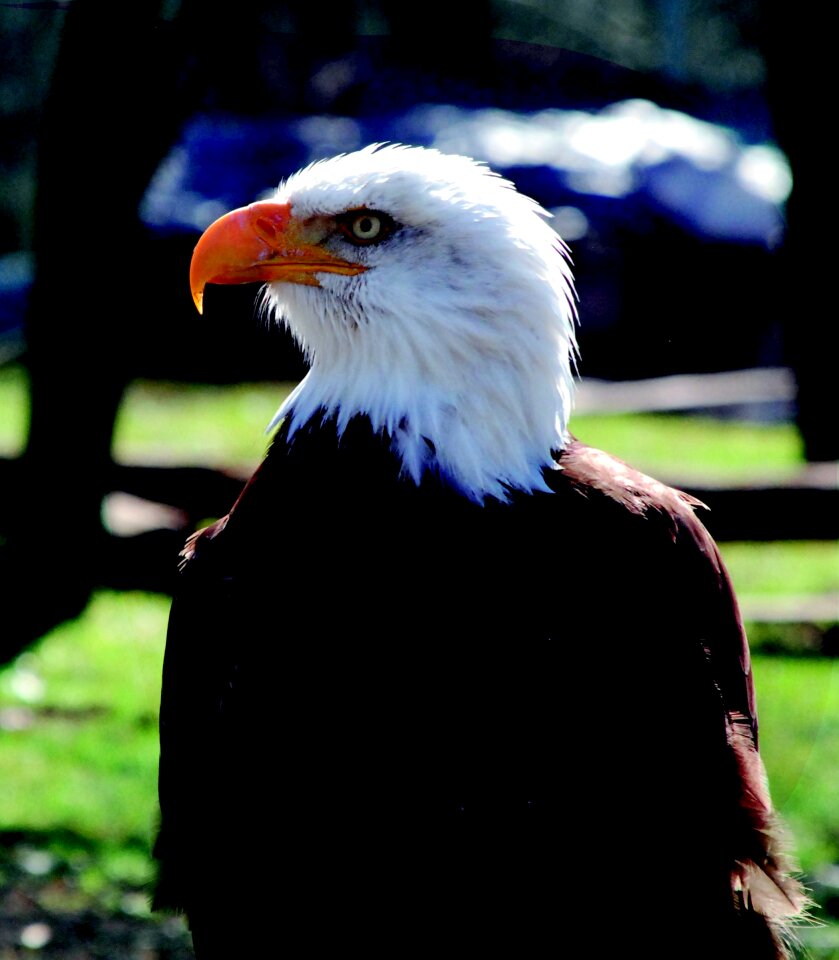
(679, 145)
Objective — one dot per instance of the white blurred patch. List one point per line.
(125, 515)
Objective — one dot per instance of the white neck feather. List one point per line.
(462, 350)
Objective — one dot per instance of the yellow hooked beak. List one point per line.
(263, 242)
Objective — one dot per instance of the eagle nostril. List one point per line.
(266, 228)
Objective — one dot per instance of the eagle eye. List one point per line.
(363, 227)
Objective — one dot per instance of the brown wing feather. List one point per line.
(762, 871)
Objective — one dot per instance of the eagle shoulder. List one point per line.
(588, 469)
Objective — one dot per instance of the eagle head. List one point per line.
(427, 294)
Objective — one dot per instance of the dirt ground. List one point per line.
(49, 915)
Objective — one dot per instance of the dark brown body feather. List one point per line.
(393, 718)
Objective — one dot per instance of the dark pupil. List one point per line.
(365, 225)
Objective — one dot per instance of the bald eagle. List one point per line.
(445, 679)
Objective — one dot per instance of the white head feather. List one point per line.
(458, 339)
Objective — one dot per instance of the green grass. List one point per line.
(668, 445)
(14, 410)
(798, 710)
(79, 750)
(226, 424)
(208, 425)
(84, 756)
(87, 701)
(783, 567)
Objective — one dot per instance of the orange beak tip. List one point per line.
(198, 299)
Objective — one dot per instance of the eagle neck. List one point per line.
(446, 433)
